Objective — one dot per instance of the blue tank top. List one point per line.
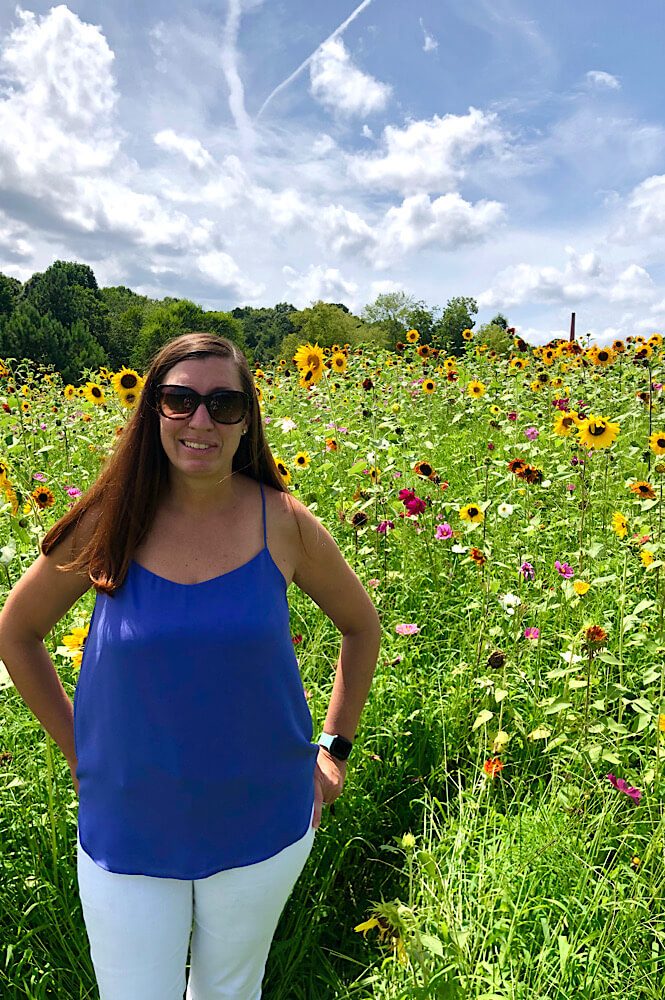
(192, 731)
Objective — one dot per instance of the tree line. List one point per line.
(61, 317)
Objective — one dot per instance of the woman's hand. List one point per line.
(72, 768)
(328, 782)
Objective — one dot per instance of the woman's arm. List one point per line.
(37, 602)
(322, 572)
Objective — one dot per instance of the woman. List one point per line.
(190, 738)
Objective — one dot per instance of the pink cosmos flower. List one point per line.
(415, 506)
(512, 415)
(531, 633)
(384, 526)
(564, 569)
(373, 583)
(532, 433)
(406, 629)
(73, 491)
(623, 786)
(443, 530)
(527, 570)
(40, 476)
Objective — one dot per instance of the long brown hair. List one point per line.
(129, 486)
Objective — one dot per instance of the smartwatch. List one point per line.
(337, 746)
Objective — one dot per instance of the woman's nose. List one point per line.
(200, 417)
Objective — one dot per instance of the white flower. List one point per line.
(459, 548)
(504, 509)
(288, 424)
(509, 602)
(485, 682)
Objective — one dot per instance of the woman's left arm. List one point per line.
(322, 572)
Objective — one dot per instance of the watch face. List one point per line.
(340, 748)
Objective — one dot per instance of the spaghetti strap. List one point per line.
(263, 498)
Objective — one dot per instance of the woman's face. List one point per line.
(204, 375)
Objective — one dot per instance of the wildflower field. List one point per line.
(501, 830)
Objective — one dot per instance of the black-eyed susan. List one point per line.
(94, 393)
(302, 460)
(643, 490)
(476, 388)
(309, 359)
(467, 334)
(412, 336)
(43, 497)
(471, 512)
(283, 471)
(495, 410)
(339, 363)
(598, 432)
(429, 386)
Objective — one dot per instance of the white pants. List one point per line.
(139, 927)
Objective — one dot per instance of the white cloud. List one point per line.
(318, 282)
(340, 86)
(193, 150)
(522, 283)
(223, 271)
(367, 132)
(633, 286)
(430, 43)
(646, 208)
(427, 155)
(601, 79)
(448, 222)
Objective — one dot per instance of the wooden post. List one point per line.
(572, 328)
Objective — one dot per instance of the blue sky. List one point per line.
(252, 152)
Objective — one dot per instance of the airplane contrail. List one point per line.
(338, 31)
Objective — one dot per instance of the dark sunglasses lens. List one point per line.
(176, 404)
(227, 408)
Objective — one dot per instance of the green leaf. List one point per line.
(499, 694)
(609, 658)
(558, 706)
(642, 606)
(483, 718)
(432, 944)
(564, 951)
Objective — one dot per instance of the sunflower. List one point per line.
(619, 347)
(565, 423)
(43, 497)
(595, 636)
(129, 398)
(283, 471)
(495, 410)
(476, 389)
(516, 465)
(309, 358)
(75, 643)
(597, 432)
(4, 370)
(309, 378)
(25, 406)
(655, 340)
(12, 498)
(467, 334)
(657, 442)
(619, 524)
(471, 512)
(339, 362)
(643, 490)
(604, 356)
(302, 459)
(359, 519)
(69, 391)
(429, 386)
(518, 364)
(450, 364)
(126, 380)
(375, 474)
(423, 351)
(643, 353)
(94, 393)
(424, 469)
(646, 557)
(412, 336)
(478, 557)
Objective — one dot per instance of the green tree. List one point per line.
(496, 338)
(173, 317)
(457, 316)
(326, 324)
(10, 289)
(392, 313)
(499, 320)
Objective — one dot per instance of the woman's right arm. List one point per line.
(36, 603)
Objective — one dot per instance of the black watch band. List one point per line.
(337, 746)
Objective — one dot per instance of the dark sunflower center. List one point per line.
(661, 442)
(597, 430)
(128, 381)
(473, 511)
(96, 391)
(604, 356)
(426, 469)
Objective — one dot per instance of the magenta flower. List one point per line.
(527, 570)
(443, 530)
(40, 476)
(623, 786)
(561, 404)
(490, 445)
(571, 487)
(406, 495)
(512, 415)
(73, 491)
(531, 633)
(406, 629)
(532, 433)
(384, 526)
(564, 569)
(415, 506)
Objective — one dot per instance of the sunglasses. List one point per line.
(226, 406)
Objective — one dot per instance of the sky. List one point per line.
(250, 152)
